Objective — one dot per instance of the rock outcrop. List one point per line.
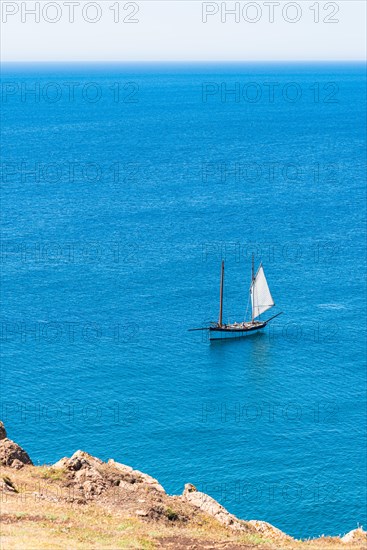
(207, 504)
(11, 454)
(139, 476)
(268, 530)
(357, 535)
(2, 431)
(211, 507)
(91, 476)
(83, 472)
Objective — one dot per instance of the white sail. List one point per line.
(261, 297)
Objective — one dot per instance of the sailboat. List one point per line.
(261, 301)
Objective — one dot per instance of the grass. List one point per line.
(35, 523)
(256, 540)
(50, 473)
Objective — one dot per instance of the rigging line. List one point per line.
(248, 304)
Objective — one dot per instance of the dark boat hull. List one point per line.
(230, 332)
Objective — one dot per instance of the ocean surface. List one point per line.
(123, 187)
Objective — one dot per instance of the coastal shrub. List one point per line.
(171, 514)
(53, 474)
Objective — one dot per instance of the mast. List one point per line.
(221, 295)
(252, 286)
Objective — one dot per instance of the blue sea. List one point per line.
(123, 188)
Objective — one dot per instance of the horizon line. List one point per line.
(181, 61)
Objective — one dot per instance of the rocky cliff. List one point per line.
(83, 502)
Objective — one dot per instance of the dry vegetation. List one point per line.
(84, 503)
(40, 513)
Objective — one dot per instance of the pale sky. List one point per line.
(174, 30)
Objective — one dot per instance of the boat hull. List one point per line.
(226, 333)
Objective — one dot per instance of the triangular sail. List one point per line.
(261, 297)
